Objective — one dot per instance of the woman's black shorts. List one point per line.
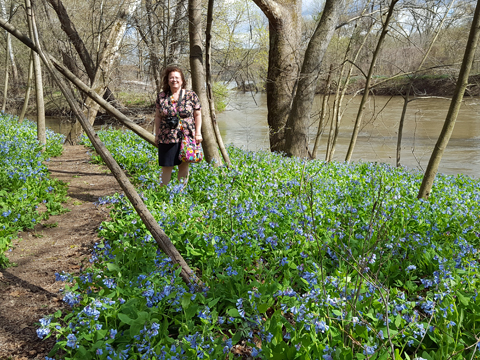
(168, 154)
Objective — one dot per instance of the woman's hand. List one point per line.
(198, 138)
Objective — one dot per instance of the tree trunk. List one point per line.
(153, 47)
(296, 132)
(41, 131)
(284, 21)
(27, 89)
(449, 124)
(406, 99)
(211, 102)
(69, 28)
(9, 55)
(107, 58)
(368, 80)
(339, 96)
(326, 96)
(174, 46)
(5, 83)
(198, 80)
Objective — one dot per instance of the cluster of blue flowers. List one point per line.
(24, 178)
(294, 255)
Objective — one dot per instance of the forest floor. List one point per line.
(28, 290)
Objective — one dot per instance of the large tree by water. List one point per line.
(291, 80)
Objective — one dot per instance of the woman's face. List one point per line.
(175, 80)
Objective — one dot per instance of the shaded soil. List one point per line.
(28, 291)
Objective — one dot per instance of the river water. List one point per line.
(244, 124)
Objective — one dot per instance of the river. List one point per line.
(244, 124)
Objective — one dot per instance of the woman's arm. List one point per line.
(197, 114)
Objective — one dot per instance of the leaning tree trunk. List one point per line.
(83, 87)
(361, 108)
(108, 57)
(76, 41)
(163, 242)
(284, 22)
(211, 102)
(449, 124)
(41, 131)
(198, 80)
(296, 132)
(27, 89)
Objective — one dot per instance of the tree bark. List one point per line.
(5, 82)
(284, 21)
(198, 80)
(152, 47)
(296, 134)
(27, 89)
(452, 114)
(211, 102)
(9, 55)
(41, 131)
(174, 43)
(368, 80)
(321, 120)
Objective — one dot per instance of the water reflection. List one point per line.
(245, 125)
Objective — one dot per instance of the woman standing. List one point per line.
(175, 106)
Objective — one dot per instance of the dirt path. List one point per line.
(28, 291)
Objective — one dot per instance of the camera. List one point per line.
(171, 122)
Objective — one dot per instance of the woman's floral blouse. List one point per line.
(185, 109)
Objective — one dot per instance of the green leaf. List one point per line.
(212, 303)
(82, 353)
(463, 299)
(398, 321)
(233, 312)
(125, 319)
(236, 338)
(113, 267)
(186, 300)
(191, 311)
(426, 356)
(262, 308)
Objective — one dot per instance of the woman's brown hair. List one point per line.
(166, 74)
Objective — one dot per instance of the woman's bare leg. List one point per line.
(166, 175)
(183, 172)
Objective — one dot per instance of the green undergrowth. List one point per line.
(299, 260)
(25, 183)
